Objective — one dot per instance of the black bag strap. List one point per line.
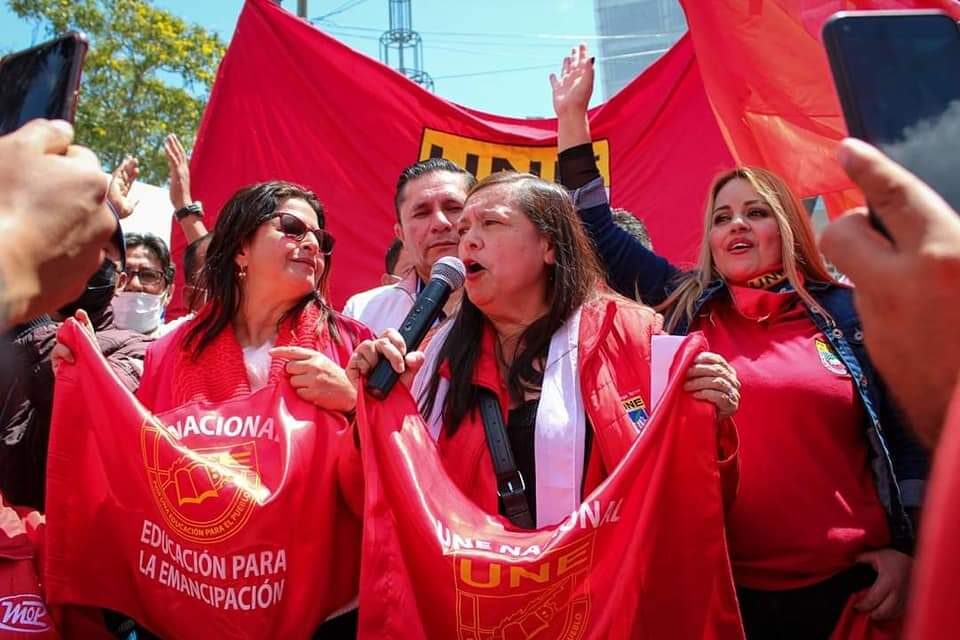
(510, 486)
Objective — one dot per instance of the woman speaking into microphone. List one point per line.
(538, 330)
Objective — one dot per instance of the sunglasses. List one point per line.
(293, 227)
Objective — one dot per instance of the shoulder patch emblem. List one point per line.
(830, 360)
(636, 410)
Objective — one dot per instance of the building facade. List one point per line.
(647, 27)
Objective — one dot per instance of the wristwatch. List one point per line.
(192, 209)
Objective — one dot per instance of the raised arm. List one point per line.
(189, 213)
(632, 269)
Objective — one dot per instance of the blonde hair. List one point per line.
(798, 246)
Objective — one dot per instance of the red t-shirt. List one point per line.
(807, 504)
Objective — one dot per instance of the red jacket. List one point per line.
(615, 338)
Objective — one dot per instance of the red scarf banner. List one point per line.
(208, 520)
(346, 127)
(644, 556)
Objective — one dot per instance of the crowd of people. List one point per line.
(829, 398)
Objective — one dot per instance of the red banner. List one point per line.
(292, 103)
(769, 82)
(643, 557)
(205, 521)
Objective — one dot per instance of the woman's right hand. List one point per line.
(389, 345)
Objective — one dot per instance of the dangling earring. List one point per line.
(243, 272)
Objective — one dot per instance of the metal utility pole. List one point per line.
(401, 46)
(302, 8)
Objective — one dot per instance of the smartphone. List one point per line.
(898, 78)
(41, 82)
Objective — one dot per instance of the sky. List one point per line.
(479, 54)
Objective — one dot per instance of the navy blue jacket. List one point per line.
(900, 464)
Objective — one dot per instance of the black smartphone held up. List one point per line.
(898, 78)
(41, 82)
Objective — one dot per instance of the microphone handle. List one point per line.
(415, 326)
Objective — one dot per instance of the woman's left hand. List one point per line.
(885, 600)
(711, 378)
(61, 353)
(317, 378)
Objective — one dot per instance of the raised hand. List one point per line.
(572, 90)
(121, 181)
(179, 165)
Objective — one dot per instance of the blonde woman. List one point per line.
(828, 475)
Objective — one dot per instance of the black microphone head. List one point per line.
(450, 270)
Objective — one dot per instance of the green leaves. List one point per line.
(148, 73)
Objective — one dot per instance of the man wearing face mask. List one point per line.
(27, 392)
(149, 286)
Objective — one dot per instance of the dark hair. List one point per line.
(191, 262)
(239, 219)
(573, 278)
(393, 255)
(424, 167)
(632, 225)
(157, 247)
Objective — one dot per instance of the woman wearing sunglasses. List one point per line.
(266, 321)
(266, 273)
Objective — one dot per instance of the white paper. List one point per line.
(662, 351)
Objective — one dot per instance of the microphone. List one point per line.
(446, 276)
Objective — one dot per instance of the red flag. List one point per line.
(934, 595)
(290, 102)
(766, 74)
(204, 521)
(643, 557)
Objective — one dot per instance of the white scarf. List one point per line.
(560, 428)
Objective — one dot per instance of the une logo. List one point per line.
(23, 612)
